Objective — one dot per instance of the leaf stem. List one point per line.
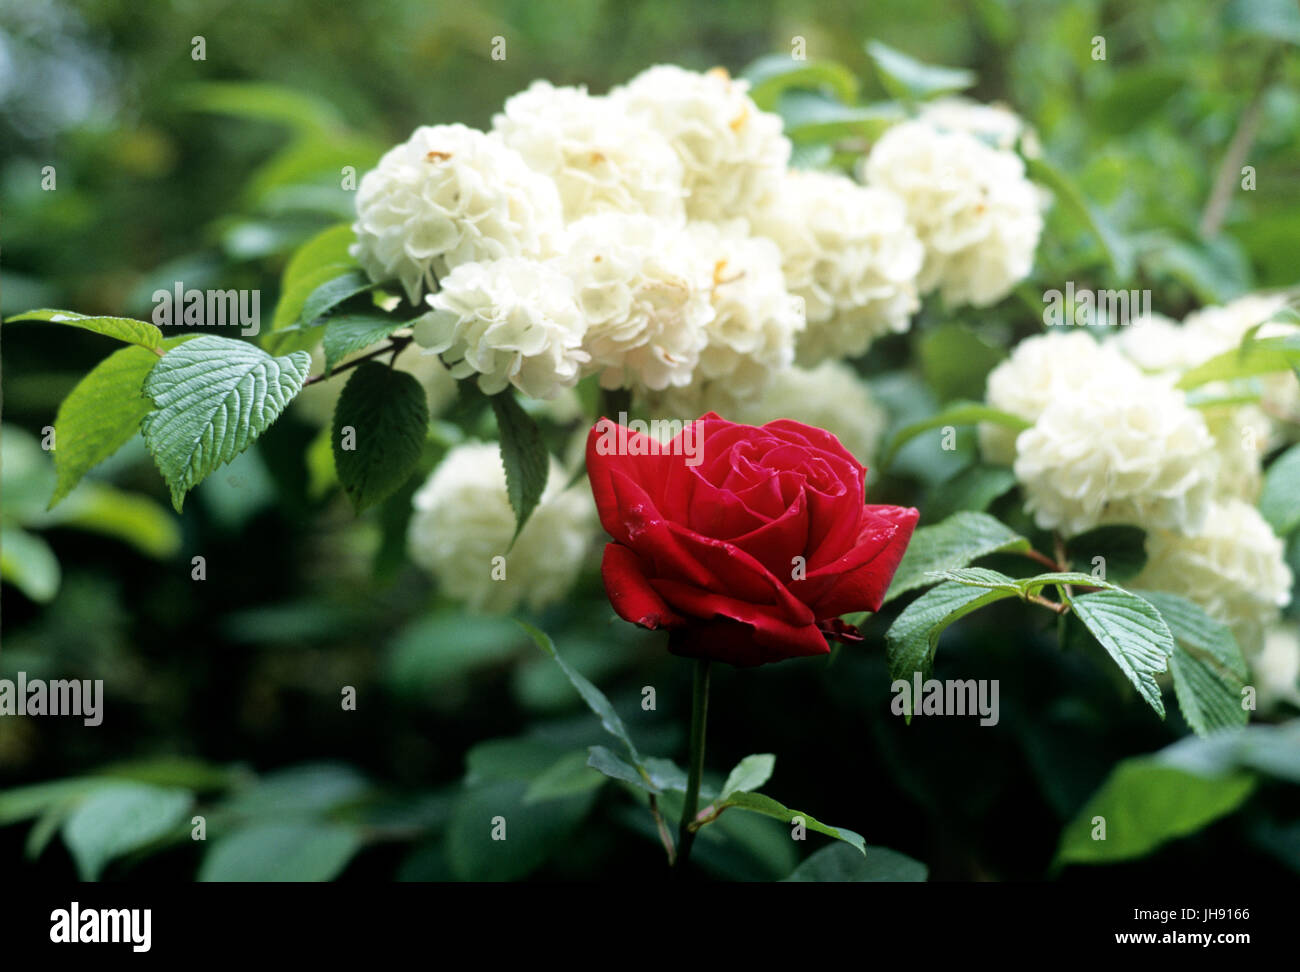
(1043, 559)
(699, 722)
(396, 345)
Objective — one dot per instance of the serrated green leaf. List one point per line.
(100, 415)
(959, 413)
(1279, 500)
(119, 818)
(911, 640)
(979, 577)
(352, 332)
(749, 774)
(214, 396)
(606, 761)
(958, 540)
(524, 456)
(908, 79)
(839, 863)
(388, 413)
(760, 803)
(1207, 665)
(1133, 633)
(126, 329)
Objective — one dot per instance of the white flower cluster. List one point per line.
(462, 527)
(977, 215)
(697, 262)
(1118, 447)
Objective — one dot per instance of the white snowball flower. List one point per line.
(446, 196)
(1042, 369)
(1242, 436)
(463, 522)
(1117, 448)
(976, 213)
(1276, 667)
(755, 319)
(601, 158)
(1233, 567)
(995, 124)
(645, 295)
(511, 322)
(850, 253)
(830, 396)
(1159, 345)
(732, 153)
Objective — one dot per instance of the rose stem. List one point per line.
(699, 720)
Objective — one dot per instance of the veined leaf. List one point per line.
(749, 774)
(100, 415)
(387, 412)
(958, 540)
(1133, 633)
(524, 456)
(214, 397)
(759, 803)
(352, 332)
(126, 329)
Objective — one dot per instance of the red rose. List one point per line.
(740, 539)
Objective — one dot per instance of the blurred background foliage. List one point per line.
(225, 693)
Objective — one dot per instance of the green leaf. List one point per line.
(333, 292)
(260, 101)
(568, 776)
(100, 415)
(1279, 500)
(1146, 803)
(214, 397)
(1207, 665)
(911, 640)
(606, 761)
(839, 863)
(119, 818)
(772, 74)
(979, 577)
(125, 329)
(593, 696)
(431, 654)
(388, 413)
(956, 361)
(352, 332)
(23, 802)
(1133, 633)
(27, 562)
(749, 774)
(759, 803)
(959, 413)
(908, 79)
(958, 540)
(282, 851)
(1123, 548)
(134, 519)
(973, 489)
(305, 790)
(533, 832)
(523, 454)
(810, 116)
(317, 262)
(1260, 357)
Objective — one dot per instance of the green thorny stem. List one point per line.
(699, 722)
